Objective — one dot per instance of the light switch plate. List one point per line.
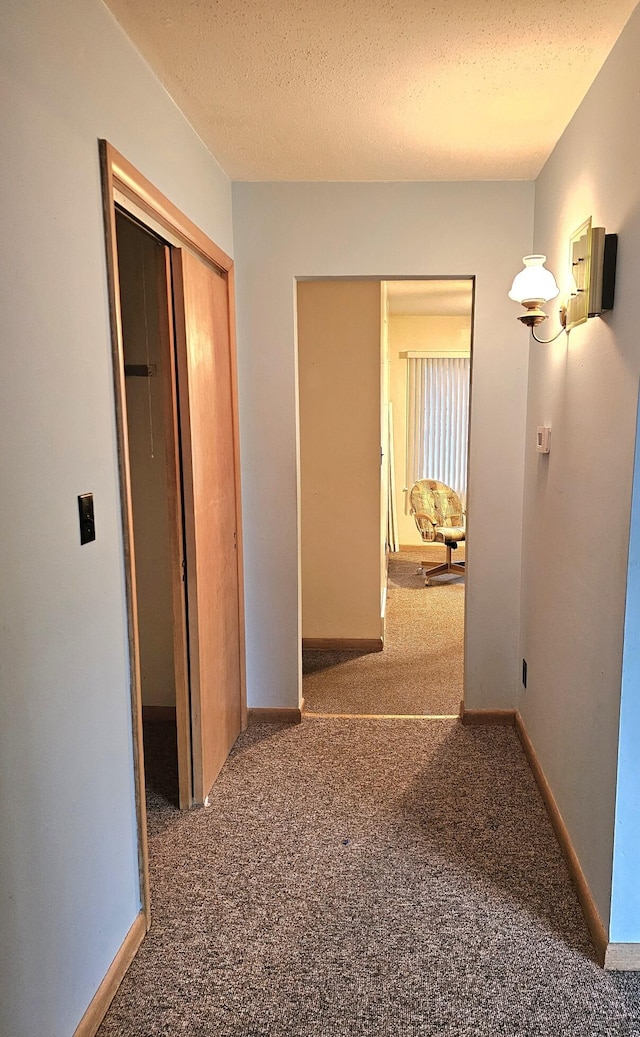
(87, 521)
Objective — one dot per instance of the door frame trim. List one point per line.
(119, 175)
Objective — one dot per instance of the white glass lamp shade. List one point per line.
(534, 284)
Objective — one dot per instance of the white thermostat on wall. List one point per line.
(543, 439)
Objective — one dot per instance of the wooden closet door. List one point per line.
(205, 387)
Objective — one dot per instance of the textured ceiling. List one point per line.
(430, 298)
(376, 89)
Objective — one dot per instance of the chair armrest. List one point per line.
(426, 526)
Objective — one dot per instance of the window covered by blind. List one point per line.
(437, 421)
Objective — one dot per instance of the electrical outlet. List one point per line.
(524, 672)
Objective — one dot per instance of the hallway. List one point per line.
(353, 877)
(421, 670)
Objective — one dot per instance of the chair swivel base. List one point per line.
(457, 568)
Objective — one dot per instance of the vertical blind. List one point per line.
(438, 420)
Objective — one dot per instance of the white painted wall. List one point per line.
(624, 925)
(577, 500)
(68, 856)
(284, 231)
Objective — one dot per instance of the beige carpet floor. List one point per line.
(365, 878)
(420, 670)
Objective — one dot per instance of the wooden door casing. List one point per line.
(126, 186)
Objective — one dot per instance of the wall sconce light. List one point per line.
(533, 287)
(592, 279)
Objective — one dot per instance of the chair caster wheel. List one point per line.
(420, 571)
(427, 583)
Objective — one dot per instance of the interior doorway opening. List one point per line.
(148, 372)
(384, 388)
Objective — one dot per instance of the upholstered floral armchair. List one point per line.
(439, 516)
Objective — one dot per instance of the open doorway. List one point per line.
(384, 389)
(156, 494)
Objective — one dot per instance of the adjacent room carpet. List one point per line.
(367, 877)
(420, 670)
